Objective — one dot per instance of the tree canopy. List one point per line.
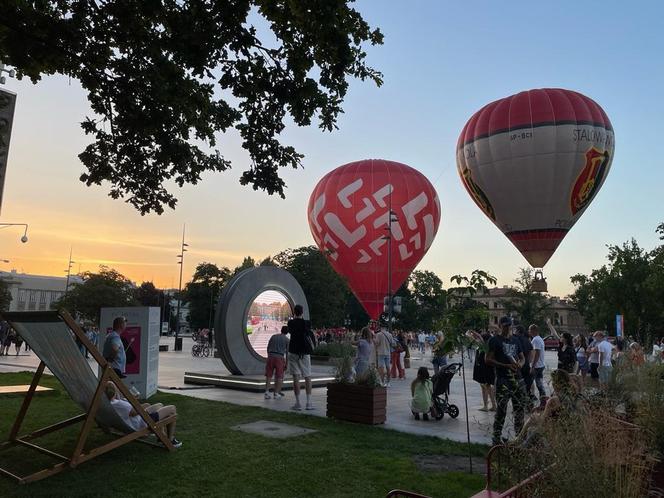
(107, 288)
(164, 78)
(631, 284)
(202, 293)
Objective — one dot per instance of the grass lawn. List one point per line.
(341, 459)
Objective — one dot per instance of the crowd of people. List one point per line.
(509, 366)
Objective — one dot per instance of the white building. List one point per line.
(34, 292)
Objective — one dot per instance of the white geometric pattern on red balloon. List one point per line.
(331, 232)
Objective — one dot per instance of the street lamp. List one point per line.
(24, 238)
(390, 219)
(68, 271)
(178, 341)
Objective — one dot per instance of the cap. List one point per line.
(505, 320)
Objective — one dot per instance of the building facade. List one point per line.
(34, 292)
(563, 315)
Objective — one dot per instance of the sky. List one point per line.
(441, 61)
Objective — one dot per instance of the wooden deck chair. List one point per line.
(52, 337)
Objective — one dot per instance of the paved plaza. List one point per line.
(172, 366)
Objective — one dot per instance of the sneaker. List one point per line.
(267, 396)
(279, 395)
(176, 443)
(484, 409)
(297, 407)
(309, 407)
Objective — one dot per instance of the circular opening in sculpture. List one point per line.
(267, 313)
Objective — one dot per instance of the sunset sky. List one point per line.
(441, 61)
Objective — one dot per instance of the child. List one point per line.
(422, 391)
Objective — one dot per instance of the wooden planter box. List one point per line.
(361, 404)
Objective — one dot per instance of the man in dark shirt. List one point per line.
(506, 356)
(300, 347)
(521, 336)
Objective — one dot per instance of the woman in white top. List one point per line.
(156, 412)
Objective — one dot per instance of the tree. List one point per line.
(529, 306)
(327, 293)
(5, 296)
(423, 302)
(631, 284)
(148, 295)
(108, 288)
(202, 293)
(463, 312)
(163, 78)
(247, 262)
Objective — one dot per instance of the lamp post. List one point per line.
(178, 341)
(24, 238)
(390, 219)
(68, 270)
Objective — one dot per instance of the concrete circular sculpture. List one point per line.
(231, 315)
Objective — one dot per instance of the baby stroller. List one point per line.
(441, 390)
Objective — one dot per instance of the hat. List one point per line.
(505, 320)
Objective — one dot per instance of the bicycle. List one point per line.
(200, 350)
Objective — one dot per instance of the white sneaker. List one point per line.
(267, 396)
(309, 407)
(297, 407)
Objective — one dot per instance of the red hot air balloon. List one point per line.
(533, 162)
(348, 217)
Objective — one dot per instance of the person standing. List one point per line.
(277, 349)
(439, 359)
(581, 357)
(484, 374)
(383, 345)
(364, 349)
(421, 340)
(527, 349)
(396, 367)
(114, 350)
(605, 366)
(594, 359)
(537, 366)
(504, 356)
(301, 345)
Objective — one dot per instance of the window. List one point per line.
(32, 300)
(495, 320)
(495, 304)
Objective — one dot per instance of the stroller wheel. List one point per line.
(453, 410)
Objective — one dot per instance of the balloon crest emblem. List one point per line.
(590, 179)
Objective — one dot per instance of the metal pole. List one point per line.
(389, 266)
(177, 314)
(68, 271)
(465, 398)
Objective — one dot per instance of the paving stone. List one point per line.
(273, 429)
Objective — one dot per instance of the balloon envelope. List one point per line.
(348, 215)
(533, 162)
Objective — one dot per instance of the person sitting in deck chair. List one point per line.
(157, 412)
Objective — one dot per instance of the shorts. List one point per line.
(593, 370)
(275, 364)
(383, 361)
(154, 416)
(605, 374)
(299, 365)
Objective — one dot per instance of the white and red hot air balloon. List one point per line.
(533, 162)
(348, 214)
